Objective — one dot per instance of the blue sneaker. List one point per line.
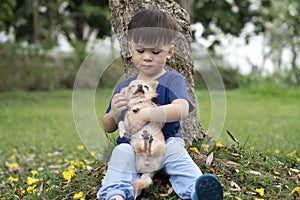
(208, 187)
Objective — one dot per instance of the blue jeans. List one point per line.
(177, 164)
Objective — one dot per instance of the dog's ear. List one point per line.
(154, 84)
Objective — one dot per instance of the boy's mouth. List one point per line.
(146, 66)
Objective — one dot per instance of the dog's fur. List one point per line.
(148, 143)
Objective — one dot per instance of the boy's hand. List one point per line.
(118, 104)
(138, 120)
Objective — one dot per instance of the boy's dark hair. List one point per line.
(152, 27)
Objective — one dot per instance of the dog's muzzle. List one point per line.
(139, 90)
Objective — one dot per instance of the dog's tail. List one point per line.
(144, 181)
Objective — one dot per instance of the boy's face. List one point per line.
(150, 60)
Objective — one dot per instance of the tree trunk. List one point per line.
(187, 5)
(123, 10)
(35, 13)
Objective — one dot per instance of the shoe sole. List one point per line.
(208, 188)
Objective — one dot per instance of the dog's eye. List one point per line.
(145, 86)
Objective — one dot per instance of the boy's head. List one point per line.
(152, 27)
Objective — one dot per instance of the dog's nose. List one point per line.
(140, 86)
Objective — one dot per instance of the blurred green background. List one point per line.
(255, 45)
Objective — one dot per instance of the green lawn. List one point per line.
(266, 121)
(263, 118)
(40, 147)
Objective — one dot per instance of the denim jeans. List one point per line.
(176, 163)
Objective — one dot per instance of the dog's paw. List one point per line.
(151, 139)
(146, 135)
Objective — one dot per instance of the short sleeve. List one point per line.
(178, 90)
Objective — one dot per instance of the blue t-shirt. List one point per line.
(171, 86)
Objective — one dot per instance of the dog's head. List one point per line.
(140, 90)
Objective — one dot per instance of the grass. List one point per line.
(259, 117)
(37, 133)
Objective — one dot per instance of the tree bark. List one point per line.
(35, 13)
(187, 5)
(123, 10)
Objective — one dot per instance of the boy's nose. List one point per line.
(147, 57)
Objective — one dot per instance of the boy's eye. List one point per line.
(140, 50)
(156, 52)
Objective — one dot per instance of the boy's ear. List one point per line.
(170, 52)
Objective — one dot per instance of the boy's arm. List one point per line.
(177, 110)
(110, 119)
(109, 123)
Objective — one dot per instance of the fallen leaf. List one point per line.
(229, 162)
(256, 173)
(295, 170)
(232, 137)
(209, 159)
(235, 186)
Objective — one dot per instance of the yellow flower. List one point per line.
(93, 153)
(219, 144)
(71, 167)
(34, 172)
(12, 157)
(31, 181)
(31, 189)
(260, 191)
(22, 192)
(13, 165)
(49, 154)
(103, 178)
(78, 196)
(78, 163)
(277, 151)
(292, 154)
(68, 175)
(296, 189)
(12, 179)
(258, 199)
(194, 149)
(205, 147)
(276, 173)
(15, 150)
(80, 147)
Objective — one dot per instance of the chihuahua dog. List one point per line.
(148, 142)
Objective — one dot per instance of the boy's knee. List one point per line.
(175, 150)
(123, 148)
(123, 158)
(175, 145)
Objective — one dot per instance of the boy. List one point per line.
(151, 33)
